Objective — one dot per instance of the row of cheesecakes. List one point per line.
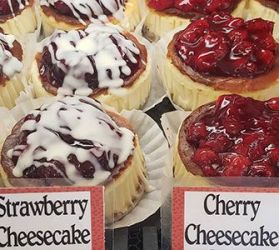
(214, 55)
(75, 141)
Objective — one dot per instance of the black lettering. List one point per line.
(2, 207)
(187, 233)
(4, 231)
(205, 204)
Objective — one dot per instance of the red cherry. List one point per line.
(261, 170)
(217, 5)
(274, 157)
(160, 4)
(241, 149)
(236, 165)
(273, 104)
(209, 171)
(265, 56)
(185, 6)
(205, 157)
(243, 48)
(233, 126)
(267, 42)
(260, 25)
(196, 132)
(274, 122)
(238, 35)
(205, 62)
(217, 142)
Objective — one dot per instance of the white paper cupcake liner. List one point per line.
(153, 144)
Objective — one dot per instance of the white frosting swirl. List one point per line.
(99, 50)
(93, 132)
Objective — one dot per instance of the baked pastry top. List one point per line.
(10, 57)
(73, 139)
(227, 53)
(87, 62)
(83, 11)
(234, 136)
(192, 8)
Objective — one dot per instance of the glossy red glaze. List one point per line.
(237, 137)
(222, 45)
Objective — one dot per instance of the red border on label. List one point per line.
(97, 207)
(178, 195)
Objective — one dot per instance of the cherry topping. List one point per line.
(160, 4)
(236, 165)
(221, 45)
(261, 170)
(238, 136)
(205, 157)
(193, 6)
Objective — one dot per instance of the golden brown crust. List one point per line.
(96, 92)
(17, 52)
(185, 150)
(230, 84)
(4, 18)
(13, 139)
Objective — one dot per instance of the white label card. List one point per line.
(49, 219)
(229, 220)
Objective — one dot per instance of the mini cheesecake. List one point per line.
(74, 141)
(231, 137)
(18, 17)
(68, 15)
(166, 15)
(266, 9)
(11, 56)
(102, 61)
(218, 55)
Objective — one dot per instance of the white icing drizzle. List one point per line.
(82, 119)
(91, 8)
(10, 64)
(92, 51)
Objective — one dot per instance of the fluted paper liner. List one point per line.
(153, 144)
